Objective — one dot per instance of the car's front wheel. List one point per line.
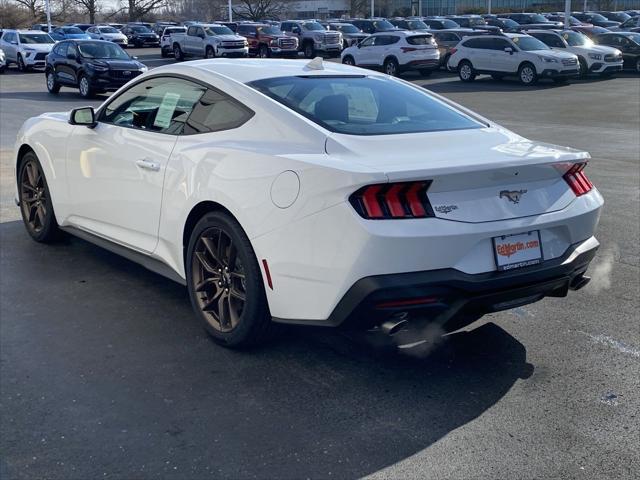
(309, 50)
(21, 65)
(348, 60)
(225, 282)
(583, 69)
(263, 52)
(52, 84)
(35, 201)
(209, 53)
(177, 53)
(527, 74)
(391, 67)
(85, 87)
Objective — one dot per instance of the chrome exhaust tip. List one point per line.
(579, 282)
(393, 326)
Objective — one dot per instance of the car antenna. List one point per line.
(315, 64)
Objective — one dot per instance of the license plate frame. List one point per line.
(525, 248)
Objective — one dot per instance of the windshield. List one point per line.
(634, 37)
(364, 105)
(446, 23)
(575, 39)
(102, 50)
(140, 29)
(597, 17)
(473, 21)
(36, 38)
(537, 18)
(508, 23)
(108, 30)
(270, 30)
(417, 25)
(529, 44)
(618, 16)
(312, 26)
(222, 30)
(347, 28)
(72, 30)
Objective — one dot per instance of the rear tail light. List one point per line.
(393, 200)
(453, 50)
(577, 180)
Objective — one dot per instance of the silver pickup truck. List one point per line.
(209, 40)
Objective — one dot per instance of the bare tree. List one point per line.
(139, 8)
(35, 7)
(360, 8)
(259, 9)
(91, 6)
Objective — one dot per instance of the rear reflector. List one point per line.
(393, 201)
(267, 273)
(577, 180)
(407, 302)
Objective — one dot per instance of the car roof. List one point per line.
(23, 30)
(406, 33)
(251, 69)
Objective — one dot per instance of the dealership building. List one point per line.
(387, 8)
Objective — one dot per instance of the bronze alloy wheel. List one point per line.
(33, 197)
(219, 279)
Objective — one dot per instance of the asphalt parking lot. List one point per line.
(105, 372)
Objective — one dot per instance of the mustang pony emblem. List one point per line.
(512, 195)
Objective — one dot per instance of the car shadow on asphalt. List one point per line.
(65, 95)
(109, 356)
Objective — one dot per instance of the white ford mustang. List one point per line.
(282, 191)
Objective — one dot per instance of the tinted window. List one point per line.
(160, 104)
(367, 42)
(214, 112)
(446, 37)
(102, 50)
(60, 49)
(9, 37)
(72, 50)
(550, 39)
(364, 105)
(419, 40)
(499, 44)
(529, 44)
(481, 43)
(30, 38)
(72, 30)
(222, 30)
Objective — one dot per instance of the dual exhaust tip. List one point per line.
(397, 323)
(579, 282)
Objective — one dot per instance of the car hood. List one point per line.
(595, 49)
(560, 55)
(229, 38)
(118, 64)
(39, 47)
(113, 35)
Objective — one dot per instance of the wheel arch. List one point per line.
(527, 62)
(22, 151)
(196, 213)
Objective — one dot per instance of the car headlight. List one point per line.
(549, 59)
(595, 56)
(143, 68)
(274, 42)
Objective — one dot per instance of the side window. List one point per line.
(479, 43)
(160, 104)
(499, 44)
(368, 42)
(191, 31)
(72, 50)
(60, 49)
(214, 112)
(552, 40)
(391, 39)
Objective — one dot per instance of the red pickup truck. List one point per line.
(268, 41)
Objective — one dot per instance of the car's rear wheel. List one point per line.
(466, 71)
(348, 60)
(225, 282)
(52, 85)
(263, 51)
(85, 87)
(210, 53)
(527, 74)
(391, 67)
(177, 52)
(35, 201)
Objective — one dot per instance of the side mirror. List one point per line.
(135, 58)
(509, 50)
(83, 116)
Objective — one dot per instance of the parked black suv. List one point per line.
(140, 36)
(92, 66)
(372, 25)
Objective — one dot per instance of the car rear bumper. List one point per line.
(448, 295)
(426, 64)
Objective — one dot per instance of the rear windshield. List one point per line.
(446, 23)
(108, 30)
(529, 44)
(419, 40)
(417, 25)
(361, 105)
(222, 30)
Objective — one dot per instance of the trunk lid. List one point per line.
(478, 175)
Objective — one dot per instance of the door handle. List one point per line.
(148, 165)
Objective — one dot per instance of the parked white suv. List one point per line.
(395, 52)
(511, 54)
(109, 33)
(26, 48)
(592, 58)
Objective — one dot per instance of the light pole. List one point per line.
(48, 9)
(567, 12)
(372, 7)
(489, 7)
(230, 12)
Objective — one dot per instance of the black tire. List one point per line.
(264, 52)
(497, 77)
(209, 52)
(2, 70)
(466, 71)
(163, 53)
(52, 84)
(309, 50)
(177, 53)
(583, 69)
(425, 72)
(36, 206)
(638, 65)
(21, 65)
(85, 88)
(213, 274)
(348, 60)
(391, 67)
(527, 74)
